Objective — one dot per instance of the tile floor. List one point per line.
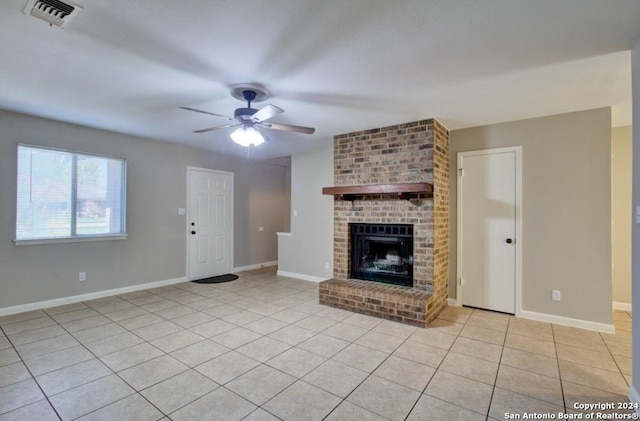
(261, 348)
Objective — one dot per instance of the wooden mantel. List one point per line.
(403, 190)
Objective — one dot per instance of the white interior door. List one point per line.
(210, 223)
(488, 244)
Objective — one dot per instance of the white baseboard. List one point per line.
(256, 266)
(634, 397)
(621, 306)
(86, 297)
(452, 302)
(567, 321)
(301, 276)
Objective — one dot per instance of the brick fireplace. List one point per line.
(415, 152)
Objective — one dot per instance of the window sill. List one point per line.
(39, 241)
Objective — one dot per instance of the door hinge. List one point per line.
(461, 281)
(461, 172)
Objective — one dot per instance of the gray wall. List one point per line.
(635, 242)
(156, 188)
(311, 241)
(566, 215)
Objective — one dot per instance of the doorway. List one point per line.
(489, 229)
(209, 223)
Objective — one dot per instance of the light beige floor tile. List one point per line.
(482, 321)
(289, 316)
(323, 345)
(108, 304)
(430, 408)
(622, 325)
(345, 331)
(87, 398)
(420, 353)
(178, 391)
(347, 411)
(445, 326)
(221, 404)
(597, 359)
(263, 349)
(302, 401)
(460, 391)
(57, 360)
(260, 384)
(193, 319)
(580, 394)
(235, 338)
(158, 330)
(69, 377)
(212, 328)
(13, 373)
(46, 346)
(455, 314)
(362, 320)
(579, 338)
(267, 309)
(619, 348)
(128, 357)
(530, 344)
(112, 344)
(405, 373)
(129, 408)
(4, 342)
(35, 335)
(8, 356)
(505, 401)
(531, 329)
(65, 308)
(260, 415)
(85, 323)
(140, 321)
(265, 325)
(227, 367)
(199, 353)
(26, 325)
(530, 384)
(292, 335)
(315, 323)
(17, 395)
(22, 317)
(360, 357)
(175, 312)
(529, 361)
(334, 314)
(75, 315)
(204, 304)
(296, 362)
(159, 305)
(593, 377)
(151, 372)
(624, 363)
(483, 334)
(336, 378)
(147, 299)
(241, 318)
(399, 330)
(96, 333)
(128, 313)
(433, 337)
(479, 349)
(175, 341)
(222, 310)
(384, 398)
(470, 367)
(40, 411)
(380, 341)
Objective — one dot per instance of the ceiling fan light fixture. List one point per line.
(247, 136)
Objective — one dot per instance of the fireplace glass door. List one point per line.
(382, 253)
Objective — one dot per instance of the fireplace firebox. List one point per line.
(382, 253)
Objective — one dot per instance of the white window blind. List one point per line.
(63, 194)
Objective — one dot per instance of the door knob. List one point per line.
(193, 233)
(509, 241)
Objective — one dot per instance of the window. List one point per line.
(65, 195)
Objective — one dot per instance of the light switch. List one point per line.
(260, 228)
(295, 212)
(181, 211)
(637, 214)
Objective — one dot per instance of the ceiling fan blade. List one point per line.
(205, 112)
(288, 128)
(210, 129)
(266, 113)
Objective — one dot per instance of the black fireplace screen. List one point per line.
(382, 253)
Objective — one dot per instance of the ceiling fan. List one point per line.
(250, 120)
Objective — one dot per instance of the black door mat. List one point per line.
(217, 279)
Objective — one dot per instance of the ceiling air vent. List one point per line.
(54, 12)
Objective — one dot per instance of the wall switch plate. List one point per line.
(260, 228)
(555, 295)
(295, 212)
(82, 276)
(326, 265)
(182, 211)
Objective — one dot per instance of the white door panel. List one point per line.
(210, 223)
(487, 215)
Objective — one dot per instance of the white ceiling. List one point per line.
(337, 65)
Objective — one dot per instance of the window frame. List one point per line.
(74, 237)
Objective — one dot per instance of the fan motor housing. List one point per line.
(244, 113)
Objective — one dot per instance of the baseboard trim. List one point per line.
(621, 306)
(301, 276)
(634, 397)
(452, 302)
(86, 297)
(567, 321)
(256, 266)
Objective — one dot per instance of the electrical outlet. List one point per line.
(82, 276)
(555, 295)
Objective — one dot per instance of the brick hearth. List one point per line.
(405, 153)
